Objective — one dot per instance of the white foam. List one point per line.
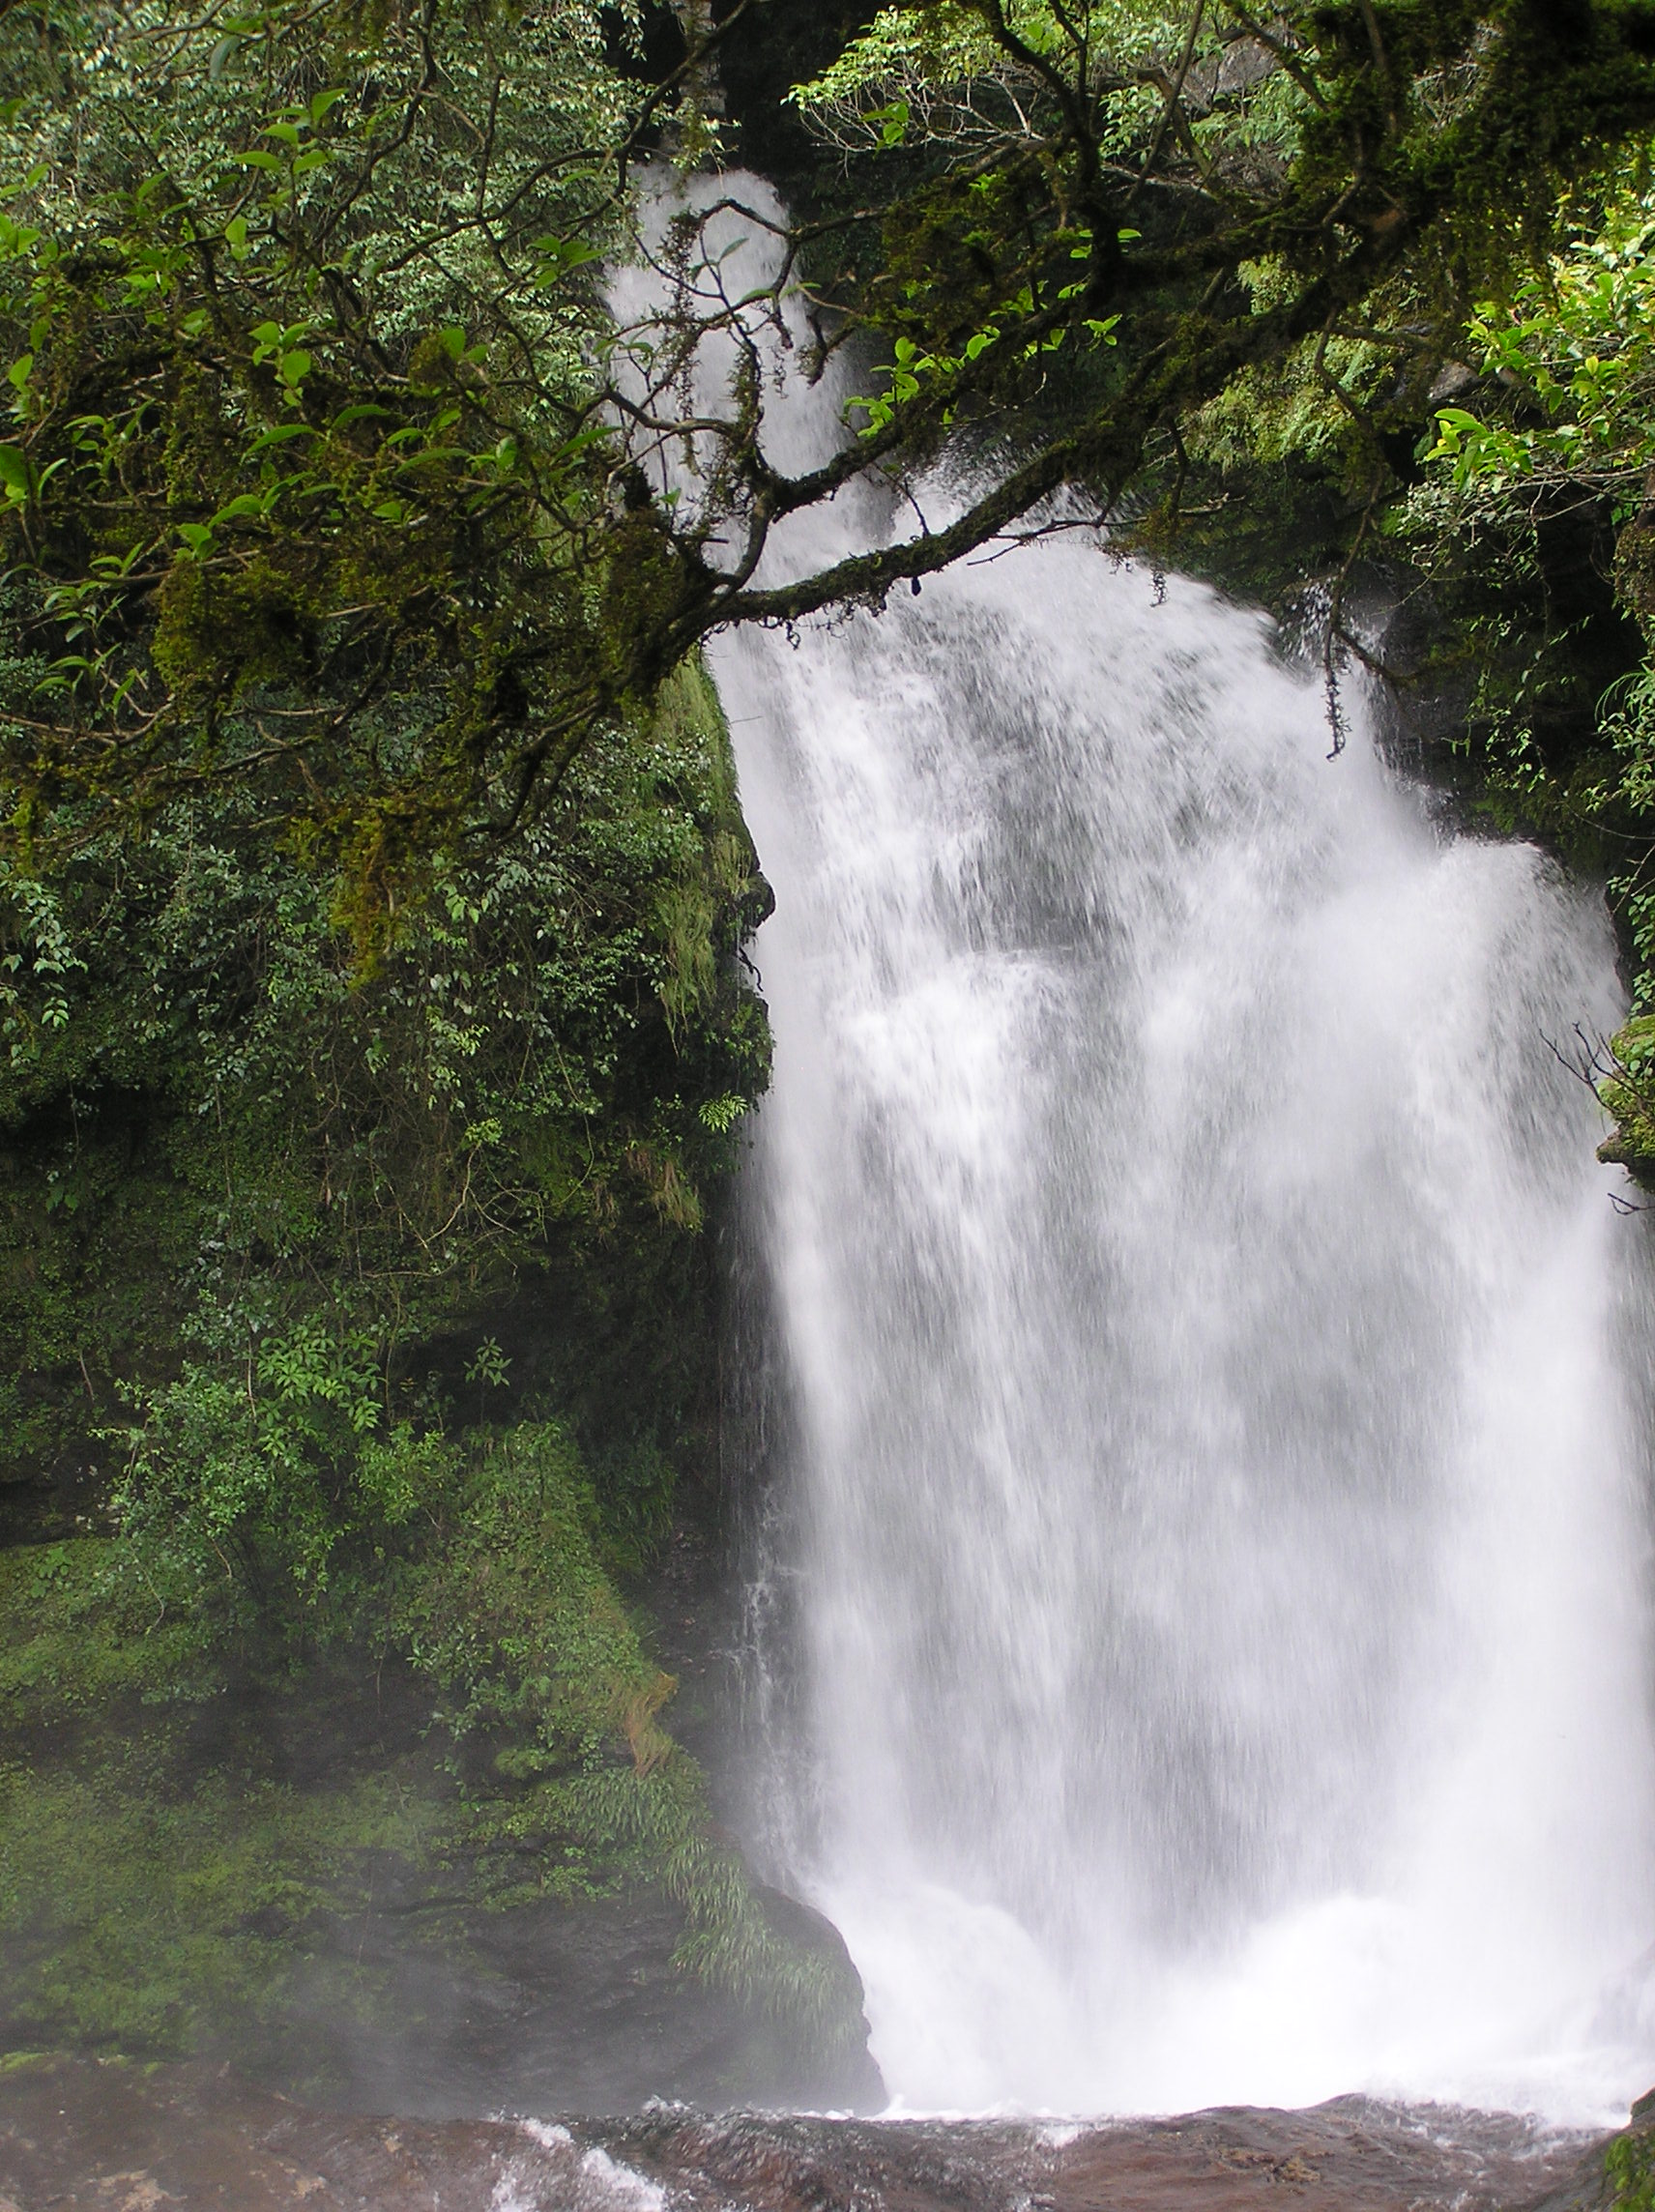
(629, 2192)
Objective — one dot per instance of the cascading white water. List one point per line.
(1215, 1369)
(1224, 1528)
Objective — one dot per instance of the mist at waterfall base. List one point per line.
(1214, 1382)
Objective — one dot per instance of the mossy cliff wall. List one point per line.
(360, 1342)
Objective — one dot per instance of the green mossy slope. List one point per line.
(198, 1836)
(362, 1318)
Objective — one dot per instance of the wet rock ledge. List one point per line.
(123, 2137)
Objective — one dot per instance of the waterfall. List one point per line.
(1215, 1486)
(1220, 1509)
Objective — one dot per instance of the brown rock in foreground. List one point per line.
(122, 2137)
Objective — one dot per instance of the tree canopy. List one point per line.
(322, 487)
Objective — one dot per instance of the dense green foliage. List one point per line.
(374, 1036)
(265, 1222)
(304, 491)
(382, 527)
(248, 1185)
(380, 524)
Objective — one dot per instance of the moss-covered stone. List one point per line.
(1628, 1092)
(314, 1864)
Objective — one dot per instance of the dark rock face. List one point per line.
(191, 2139)
(576, 2008)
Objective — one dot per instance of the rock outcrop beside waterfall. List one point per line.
(350, 1442)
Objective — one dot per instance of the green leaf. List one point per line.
(14, 476)
(559, 256)
(891, 122)
(279, 437)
